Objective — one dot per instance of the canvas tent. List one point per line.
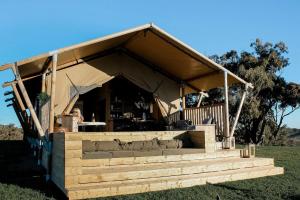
(146, 55)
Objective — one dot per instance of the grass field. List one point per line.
(286, 186)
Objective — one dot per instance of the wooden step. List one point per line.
(162, 183)
(158, 159)
(167, 165)
(96, 175)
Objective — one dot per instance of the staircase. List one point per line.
(145, 174)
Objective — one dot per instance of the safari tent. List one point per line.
(133, 132)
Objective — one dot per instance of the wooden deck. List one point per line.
(82, 178)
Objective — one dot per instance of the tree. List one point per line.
(272, 98)
(288, 102)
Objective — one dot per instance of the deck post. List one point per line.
(237, 116)
(226, 124)
(52, 96)
(28, 102)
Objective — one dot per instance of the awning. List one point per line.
(148, 44)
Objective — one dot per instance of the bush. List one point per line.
(10, 132)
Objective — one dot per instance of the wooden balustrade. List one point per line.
(198, 115)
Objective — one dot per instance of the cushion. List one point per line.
(136, 145)
(107, 146)
(88, 146)
(170, 144)
(207, 121)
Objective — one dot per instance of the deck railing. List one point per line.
(215, 112)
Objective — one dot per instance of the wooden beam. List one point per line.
(6, 84)
(226, 127)
(28, 102)
(18, 97)
(52, 96)
(238, 111)
(45, 68)
(6, 66)
(46, 65)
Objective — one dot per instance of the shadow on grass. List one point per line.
(222, 186)
(19, 167)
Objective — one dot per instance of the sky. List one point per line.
(29, 28)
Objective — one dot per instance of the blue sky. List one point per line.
(28, 28)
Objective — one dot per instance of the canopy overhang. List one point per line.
(148, 44)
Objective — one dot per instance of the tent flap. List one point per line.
(86, 76)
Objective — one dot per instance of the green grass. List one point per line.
(285, 186)
(14, 192)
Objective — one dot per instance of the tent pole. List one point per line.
(182, 102)
(67, 110)
(200, 100)
(238, 112)
(44, 82)
(28, 102)
(202, 94)
(18, 97)
(226, 128)
(52, 96)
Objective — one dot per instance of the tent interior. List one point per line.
(122, 105)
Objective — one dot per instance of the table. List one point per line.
(85, 124)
